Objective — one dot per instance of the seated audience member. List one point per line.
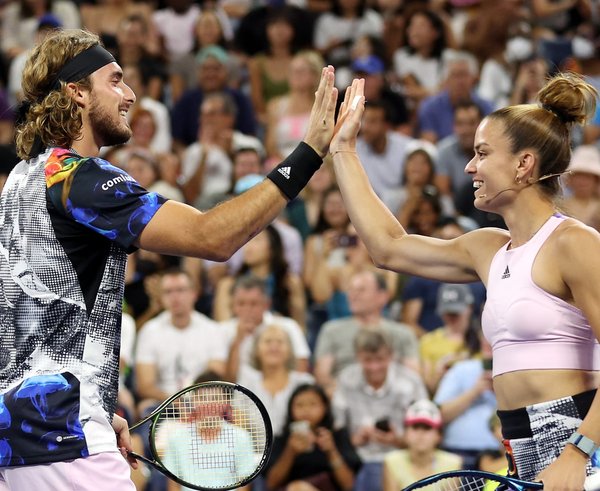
(213, 76)
(161, 139)
(583, 185)
(455, 340)
(370, 399)
(303, 213)
(466, 399)
(377, 90)
(310, 454)
(288, 115)
(322, 244)
(456, 150)
(271, 374)
(263, 257)
(329, 284)
(169, 169)
(368, 296)
(246, 163)
(382, 151)
(145, 168)
(268, 71)
(177, 345)
(421, 458)
(250, 306)
(136, 45)
(436, 113)
(531, 77)
(212, 27)
(336, 30)
(418, 179)
(206, 163)
(418, 64)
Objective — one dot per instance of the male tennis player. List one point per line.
(67, 221)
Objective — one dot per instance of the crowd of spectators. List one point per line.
(388, 374)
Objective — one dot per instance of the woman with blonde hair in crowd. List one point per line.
(287, 116)
(271, 375)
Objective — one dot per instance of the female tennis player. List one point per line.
(542, 315)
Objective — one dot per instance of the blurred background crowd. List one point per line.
(389, 374)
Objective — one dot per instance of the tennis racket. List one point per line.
(209, 436)
(469, 480)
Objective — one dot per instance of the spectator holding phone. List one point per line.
(310, 455)
(371, 399)
(467, 402)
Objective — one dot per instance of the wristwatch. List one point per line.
(583, 443)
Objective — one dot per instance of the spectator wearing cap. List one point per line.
(206, 163)
(421, 457)
(436, 113)
(381, 150)
(213, 73)
(46, 24)
(583, 184)
(455, 340)
(372, 69)
(371, 399)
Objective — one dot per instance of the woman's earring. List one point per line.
(517, 179)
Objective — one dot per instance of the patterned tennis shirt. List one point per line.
(66, 225)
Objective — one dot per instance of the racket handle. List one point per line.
(142, 458)
(592, 483)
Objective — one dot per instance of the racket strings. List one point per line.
(212, 437)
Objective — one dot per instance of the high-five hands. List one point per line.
(349, 117)
(321, 121)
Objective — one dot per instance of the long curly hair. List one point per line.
(52, 115)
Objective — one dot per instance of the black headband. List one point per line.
(82, 65)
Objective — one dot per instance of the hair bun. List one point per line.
(569, 97)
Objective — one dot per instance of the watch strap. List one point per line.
(583, 443)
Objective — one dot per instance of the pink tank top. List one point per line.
(527, 327)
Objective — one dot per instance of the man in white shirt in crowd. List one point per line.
(177, 345)
(250, 306)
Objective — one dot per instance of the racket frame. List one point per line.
(154, 416)
(514, 484)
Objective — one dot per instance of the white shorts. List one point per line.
(104, 471)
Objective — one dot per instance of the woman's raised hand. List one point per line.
(349, 117)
